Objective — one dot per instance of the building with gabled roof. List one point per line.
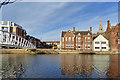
(112, 33)
(100, 43)
(77, 40)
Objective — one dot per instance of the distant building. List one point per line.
(77, 40)
(53, 44)
(112, 33)
(34, 41)
(100, 44)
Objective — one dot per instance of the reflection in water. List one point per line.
(60, 66)
(13, 66)
(89, 66)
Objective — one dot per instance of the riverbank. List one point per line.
(51, 51)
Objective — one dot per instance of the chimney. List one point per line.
(73, 29)
(91, 29)
(108, 23)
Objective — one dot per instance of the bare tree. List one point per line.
(5, 2)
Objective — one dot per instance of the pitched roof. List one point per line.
(77, 32)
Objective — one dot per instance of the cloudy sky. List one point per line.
(46, 20)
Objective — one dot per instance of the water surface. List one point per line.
(60, 66)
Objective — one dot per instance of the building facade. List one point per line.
(35, 41)
(77, 40)
(53, 44)
(112, 33)
(13, 34)
(100, 44)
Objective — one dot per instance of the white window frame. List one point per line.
(78, 39)
(88, 46)
(78, 46)
(69, 39)
(88, 39)
(72, 38)
(118, 41)
(66, 39)
(63, 39)
(62, 45)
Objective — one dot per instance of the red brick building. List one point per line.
(112, 33)
(77, 40)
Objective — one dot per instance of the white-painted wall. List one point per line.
(100, 39)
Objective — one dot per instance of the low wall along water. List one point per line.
(51, 51)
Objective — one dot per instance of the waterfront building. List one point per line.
(53, 44)
(35, 41)
(13, 35)
(77, 40)
(100, 44)
(112, 33)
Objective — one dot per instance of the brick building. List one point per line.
(77, 40)
(112, 33)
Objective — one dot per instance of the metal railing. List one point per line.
(16, 41)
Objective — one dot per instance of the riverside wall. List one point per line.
(51, 51)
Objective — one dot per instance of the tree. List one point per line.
(5, 2)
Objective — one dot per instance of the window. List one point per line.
(11, 29)
(63, 45)
(14, 29)
(72, 38)
(78, 39)
(85, 46)
(88, 46)
(66, 38)
(78, 33)
(103, 42)
(4, 23)
(97, 47)
(103, 47)
(96, 42)
(85, 39)
(69, 45)
(79, 46)
(13, 33)
(88, 39)
(118, 41)
(63, 39)
(13, 37)
(69, 39)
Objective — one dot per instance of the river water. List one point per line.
(60, 66)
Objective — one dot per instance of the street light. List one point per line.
(53, 44)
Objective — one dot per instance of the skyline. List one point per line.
(56, 17)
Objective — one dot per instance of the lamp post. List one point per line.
(53, 44)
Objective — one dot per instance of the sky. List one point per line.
(46, 20)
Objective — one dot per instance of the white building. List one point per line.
(100, 44)
(12, 35)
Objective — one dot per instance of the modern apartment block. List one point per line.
(77, 40)
(14, 35)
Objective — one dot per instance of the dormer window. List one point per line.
(88, 33)
(79, 34)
